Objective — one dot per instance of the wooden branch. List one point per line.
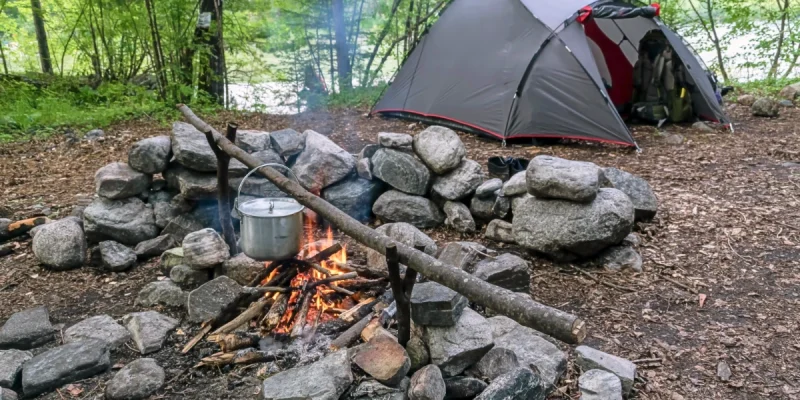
(264, 274)
(400, 298)
(350, 315)
(341, 290)
(223, 191)
(273, 317)
(21, 227)
(243, 357)
(234, 341)
(521, 308)
(196, 339)
(253, 311)
(334, 278)
(300, 318)
(351, 335)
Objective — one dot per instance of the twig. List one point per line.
(685, 287)
(197, 338)
(647, 360)
(604, 283)
(337, 288)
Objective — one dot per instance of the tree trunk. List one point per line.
(3, 56)
(41, 37)
(342, 52)
(210, 35)
(381, 37)
(330, 48)
(776, 61)
(158, 55)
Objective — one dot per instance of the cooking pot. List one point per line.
(272, 227)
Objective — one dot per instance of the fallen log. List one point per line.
(521, 308)
(19, 228)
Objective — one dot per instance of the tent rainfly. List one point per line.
(535, 69)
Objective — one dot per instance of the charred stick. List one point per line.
(325, 254)
(196, 339)
(234, 341)
(223, 192)
(341, 290)
(352, 334)
(400, 297)
(352, 314)
(264, 274)
(243, 357)
(361, 284)
(334, 278)
(253, 311)
(300, 318)
(321, 269)
(273, 317)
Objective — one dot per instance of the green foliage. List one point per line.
(766, 87)
(359, 97)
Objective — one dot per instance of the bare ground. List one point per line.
(720, 259)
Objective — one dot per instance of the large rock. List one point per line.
(8, 394)
(127, 221)
(521, 383)
(500, 231)
(462, 387)
(256, 186)
(765, 107)
(170, 258)
(401, 171)
(400, 141)
(164, 212)
(516, 185)
(242, 269)
(208, 300)
(65, 364)
(506, 270)
(517, 201)
(193, 185)
(498, 361)
(556, 178)
(236, 168)
(482, 208)
(746, 100)
(374, 390)
(136, 381)
(487, 189)
(416, 349)
(645, 203)
(790, 92)
(11, 362)
(287, 142)
(27, 329)
(501, 207)
(151, 155)
(427, 384)
(188, 277)
(460, 182)
(354, 196)
(253, 141)
(458, 217)
(191, 148)
(396, 206)
(364, 168)
(322, 163)
(154, 247)
(403, 233)
(164, 292)
(433, 304)
(149, 330)
(589, 358)
(101, 327)
(569, 230)
(454, 349)
(116, 257)
(60, 245)
(440, 149)
(531, 347)
(597, 384)
(462, 255)
(119, 181)
(182, 225)
(205, 249)
(620, 258)
(326, 379)
(383, 359)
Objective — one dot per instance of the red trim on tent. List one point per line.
(501, 137)
(616, 62)
(658, 8)
(584, 14)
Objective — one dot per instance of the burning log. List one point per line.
(265, 273)
(559, 324)
(244, 357)
(275, 314)
(234, 341)
(253, 311)
(300, 317)
(334, 278)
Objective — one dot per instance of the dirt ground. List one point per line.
(721, 259)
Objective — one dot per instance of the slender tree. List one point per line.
(41, 37)
(342, 48)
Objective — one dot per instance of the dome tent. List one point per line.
(532, 69)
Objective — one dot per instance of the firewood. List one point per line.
(265, 273)
(350, 314)
(351, 335)
(333, 278)
(244, 357)
(253, 311)
(300, 318)
(362, 284)
(234, 341)
(21, 227)
(341, 290)
(273, 317)
(196, 339)
(519, 307)
(402, 294)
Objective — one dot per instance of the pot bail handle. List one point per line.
(239, 191)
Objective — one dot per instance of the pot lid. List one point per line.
(270, 207)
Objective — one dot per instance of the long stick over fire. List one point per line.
(521, 308)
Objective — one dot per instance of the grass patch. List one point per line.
(360, 97)
(763, 88)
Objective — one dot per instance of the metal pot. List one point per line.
(272, 227)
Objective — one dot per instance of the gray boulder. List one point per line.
(403, 233)
(269, 156)
(374, 390)
(645, 203)
(127, 221)
(501, 207)
(164, 212)
(500, 231)
(506, 270)
(242, 269)
(487, 189)
(368, 151)
(116, 257)
(253, 141)
(532, 348)
(556, 178)
(364, 168)
(322, 163)
(170, 258)
(136, 381)
(192, 185)
(205, 249)
(440, 149)
(786, 103)
(482, 208)
(151, 155)
(60, 245)
(256, 186)
(11, 362)
(396, 206)
(101, 327)
(568, 230)
(27, 329)
(521, 383)
(154, 247)
(190, 148)
(181, 226)
(433, 304)
(746, 100)
(8, 394)
(589, 358)
(119, 181)
(498, 361)
(620, 258)
(65, 364)
(354, 196)
(790, 92)
(458, 217)
(209, 299)
(164, 292)
(149, 330)
(287, 142)
(462, 255)
(516, 185)
(517, 201)
(462, 387)
(597, 384)
(400, 141)
(401, 171)
(326, 379)
(460, 182)
(427, 384)
(455, 348)
(765, 107)
(187, 277)
(703, 127)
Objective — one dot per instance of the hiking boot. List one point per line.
(518, 165)
(499, 167)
